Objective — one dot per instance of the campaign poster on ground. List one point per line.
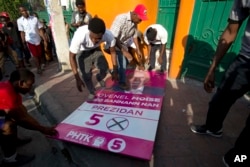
(123, 122)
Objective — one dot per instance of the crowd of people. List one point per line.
(28, 37)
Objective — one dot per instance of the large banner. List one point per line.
(123, 122)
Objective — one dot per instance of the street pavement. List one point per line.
(185, 102)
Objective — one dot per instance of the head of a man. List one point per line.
(137, 79)
(139, 14)
(81, 6)
(22, 80)
(96, 28)
(151, 34)
(23, 11)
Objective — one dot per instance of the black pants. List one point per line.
(235, 84)
(152, 59)
(86, 60)
(8, 136)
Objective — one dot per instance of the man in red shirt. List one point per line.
(13, 113)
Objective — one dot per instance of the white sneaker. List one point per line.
(91, 96)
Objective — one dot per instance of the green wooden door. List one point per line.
(167, 16)
(208, 22)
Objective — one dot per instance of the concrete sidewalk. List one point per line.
(185, 102)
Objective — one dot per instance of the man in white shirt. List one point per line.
(31, 33)
(156, 36)
(85, 45)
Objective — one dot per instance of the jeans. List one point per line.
(122, 65)
(86, 60)
(235, 84)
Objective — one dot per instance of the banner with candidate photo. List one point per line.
(123, 122)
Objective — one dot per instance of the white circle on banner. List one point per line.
(116, 145)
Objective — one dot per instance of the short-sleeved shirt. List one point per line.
(240, 11)
(9, 98)
(161, 36)
(123, 28)
(78, 17)
(30, 26)
(82, 42)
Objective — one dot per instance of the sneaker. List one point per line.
(91, 96)
(20, 160)
(102, 83)
(202, 130)
(21, 142)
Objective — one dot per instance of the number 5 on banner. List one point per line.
(94, 119)
(116, 145)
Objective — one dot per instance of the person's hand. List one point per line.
(141, 67)
(209, 82)
(79, 84)
(139, 54)
(50, 131)
(25, 45)
(160, 60)
(146, 59)
(127, 55)
(79, 23)
(114, 74)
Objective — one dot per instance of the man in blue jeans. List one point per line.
(235, 84)
(123, 28)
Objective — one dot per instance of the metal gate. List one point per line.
(167, 16)
(208, 22)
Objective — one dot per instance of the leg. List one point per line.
(36, 51)
(234, 85)
(13, 55)
(102, 64)
(8, 137)
(164, 61)
(122, 64)
(85, 65)
(152, 56)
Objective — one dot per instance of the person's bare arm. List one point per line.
(23, 119)
(44, 37)
(114, 62)
(74, 67)
(226, 40)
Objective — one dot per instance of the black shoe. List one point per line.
(202, 130)
(21, 142)
(20, 160)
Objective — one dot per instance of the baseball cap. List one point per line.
(4, 14)
(141, 11)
